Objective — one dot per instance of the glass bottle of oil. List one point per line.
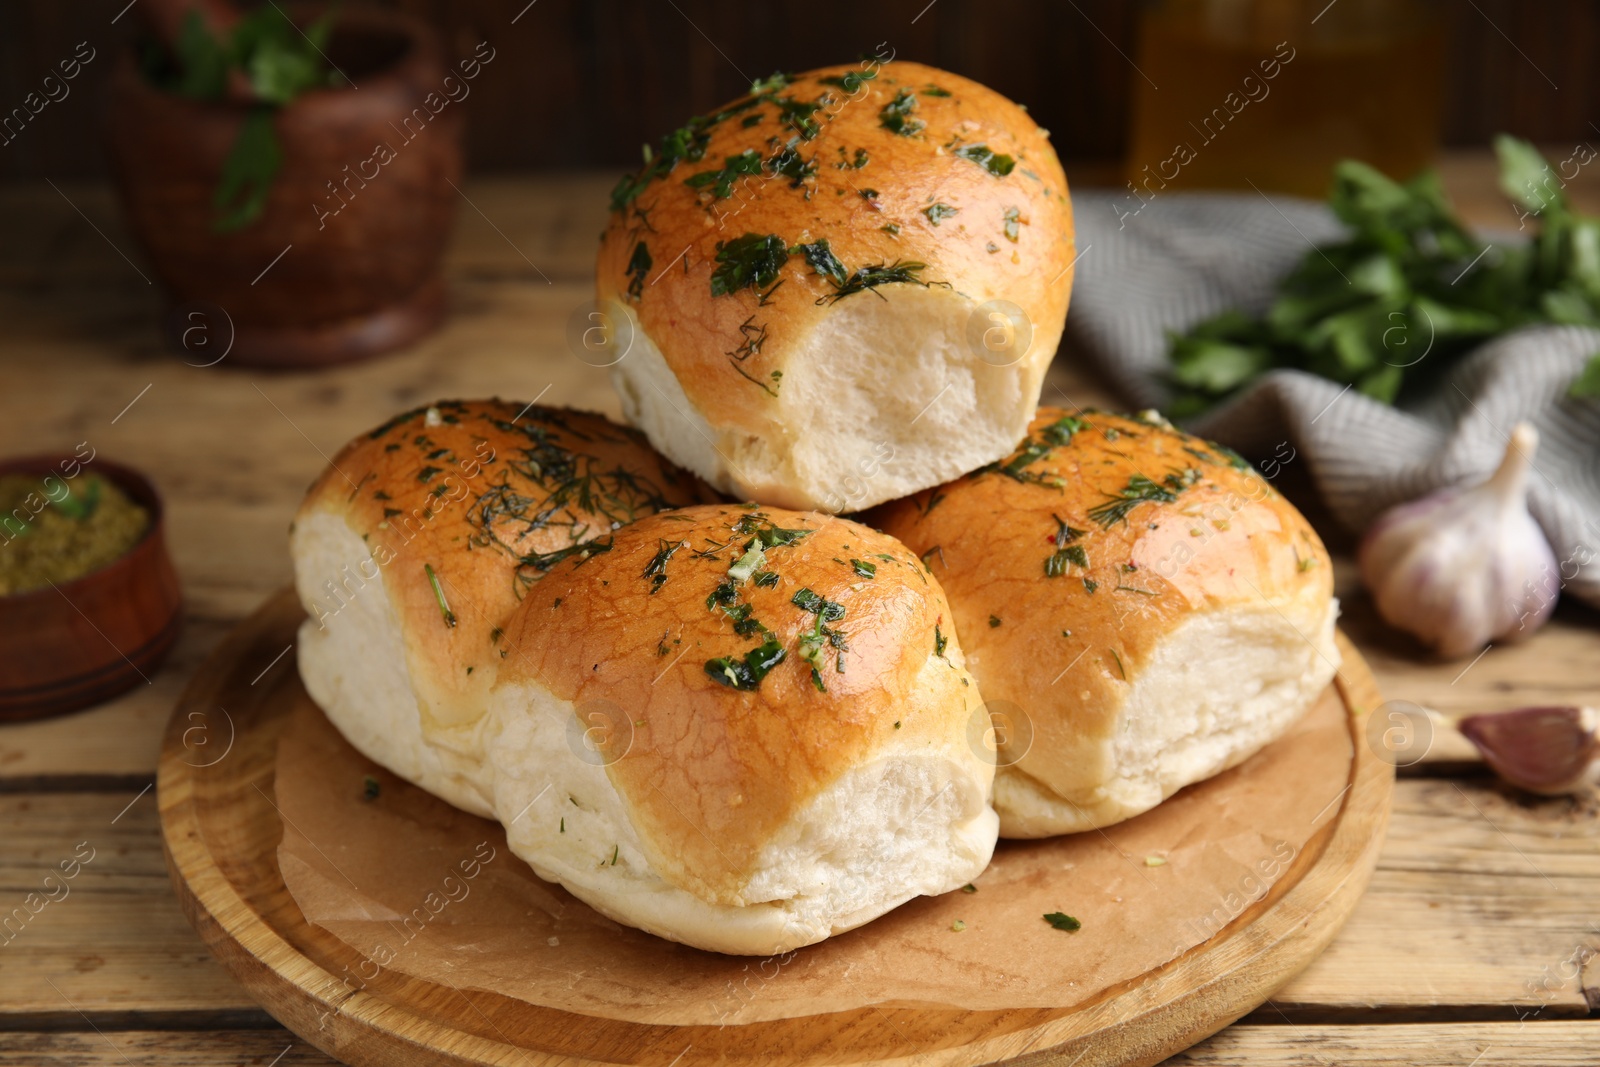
(1273, 93)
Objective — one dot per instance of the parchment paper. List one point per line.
(421, 888)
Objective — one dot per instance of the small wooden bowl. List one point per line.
(86, 640)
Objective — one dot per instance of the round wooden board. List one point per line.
(221, 830)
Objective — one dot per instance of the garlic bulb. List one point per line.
(1463, 567)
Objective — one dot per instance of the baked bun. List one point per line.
(413, 548)
(799, 284)
(742, 729)
(1140, 608)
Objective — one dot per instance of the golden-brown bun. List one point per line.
(1140, 608)
(415, 545)
(798, 385)
(639, 764)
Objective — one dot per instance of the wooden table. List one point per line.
(1472, 946)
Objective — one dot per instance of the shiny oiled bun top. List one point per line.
(462, 505)
(752, 658)
(796, 277)
(1079, 567)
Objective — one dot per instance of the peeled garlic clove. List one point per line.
(1462, 567)
(1542, 750)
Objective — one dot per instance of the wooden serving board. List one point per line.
(222, 828)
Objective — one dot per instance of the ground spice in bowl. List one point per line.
(56, 530)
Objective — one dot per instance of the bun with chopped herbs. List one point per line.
(841, 288)
(1140, 608)
(416, 544)
(742, 729)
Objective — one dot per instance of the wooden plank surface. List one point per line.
(1563, 1044)
(1479, 903)
(1483, 905)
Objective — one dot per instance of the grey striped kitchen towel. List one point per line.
(1180, 258)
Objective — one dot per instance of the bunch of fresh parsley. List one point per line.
(280, 61)
(1407, 292)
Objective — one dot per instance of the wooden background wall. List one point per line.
(582, 83)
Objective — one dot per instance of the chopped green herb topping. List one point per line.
(1056, 434)
(726, 597)
(823, 261)
(813, 644)
(1141, 490)
(938, 212)
(896, 115)
(934, 90)
(426, 474)
(688, 142)
(868, 279)
(1066, 552)
(724, 593)
(1062, 921)
(1013, 220)
(826, 264)
(852, 80)
(776, 82)
(864, 569)
(404, 416)
(994, 621)
(985, 157)
(769, 535)
(721, 182)
(638, 270)
(787, 163)
(799, 115)
(748, 262)
(656, 569)
(548, 482)
(828, 610)
(1056, 565)
(438, 594)
(746, 673)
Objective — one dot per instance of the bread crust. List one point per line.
(1070, 562)
(481, 498)
(712, 773)
(934, 198)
